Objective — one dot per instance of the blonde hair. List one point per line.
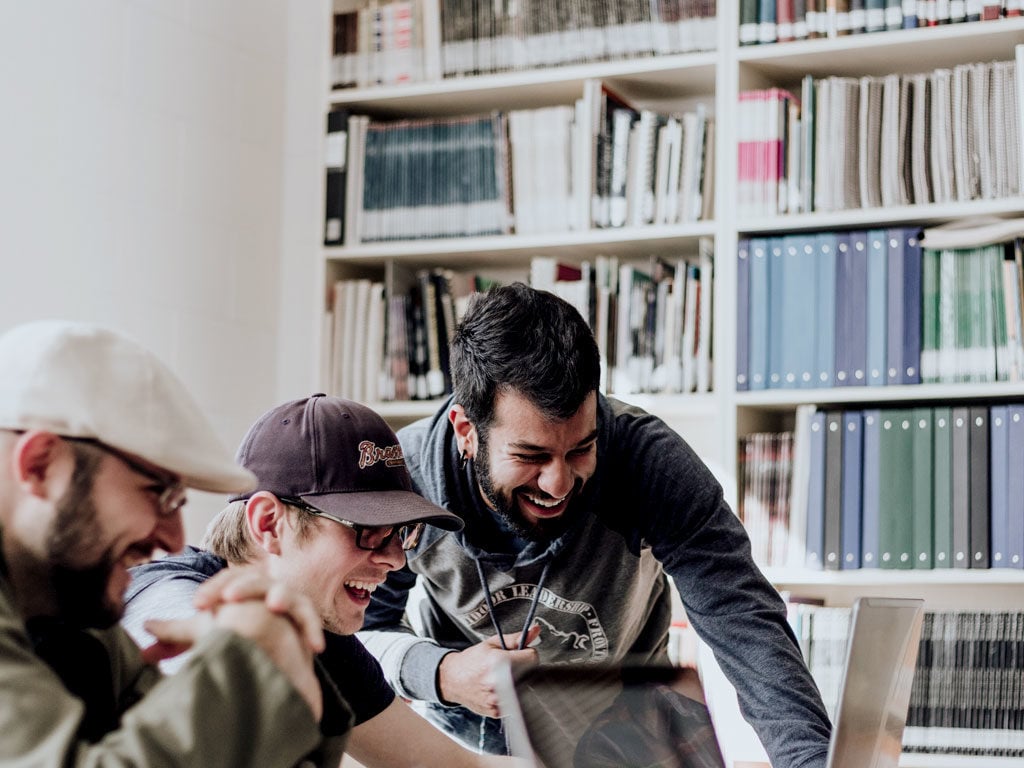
(228, 537)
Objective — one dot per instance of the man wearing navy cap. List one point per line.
(333, 513)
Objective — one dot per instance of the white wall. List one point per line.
(141, 186)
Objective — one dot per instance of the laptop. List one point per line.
(605, 715)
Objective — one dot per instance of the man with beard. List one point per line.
(98, 442)
(577, 510)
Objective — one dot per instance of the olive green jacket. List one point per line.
(228, 706)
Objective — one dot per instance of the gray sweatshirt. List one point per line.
(652, 508)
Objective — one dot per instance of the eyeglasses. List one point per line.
(372, 538)
(170, 493)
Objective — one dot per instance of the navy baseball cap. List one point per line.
(340, 457)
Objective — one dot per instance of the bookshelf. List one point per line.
(714, 421)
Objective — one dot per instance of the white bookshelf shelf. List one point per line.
(934, 213)
(879, 53)
(873, 577)
(656, 77)
(787, 399)
(621, 241)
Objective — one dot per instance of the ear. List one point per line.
(465, 431)
(265, 516)
(42, 463)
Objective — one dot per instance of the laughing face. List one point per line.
(106, 521)
(339, 577)
(530, 467)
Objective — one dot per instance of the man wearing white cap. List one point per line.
(98, 441)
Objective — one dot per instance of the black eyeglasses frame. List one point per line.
(408, 533)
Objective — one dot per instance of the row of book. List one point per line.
(598, 163)
(971, 313)
(966, 696)
(765, 473)
(829, 309)
(382, 43)
(868, 142)
(382, 346)
(653, 327)
(399, 41)
(652, 324)
(781, 21)
(876, 308)
(900, 488)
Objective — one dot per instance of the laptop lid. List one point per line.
(879, 672)
(607, 716)
(604, 715)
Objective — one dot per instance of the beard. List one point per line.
(80, 591)
(504, 503)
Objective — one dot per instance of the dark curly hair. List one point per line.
(517, 338)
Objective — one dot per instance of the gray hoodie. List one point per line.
(652, 508)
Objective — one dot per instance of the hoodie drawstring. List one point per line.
(529, 615)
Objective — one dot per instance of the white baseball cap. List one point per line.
(82, 380)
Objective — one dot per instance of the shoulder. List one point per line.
(631, 436)
(192, 564)
(412, 436)
(357, 675)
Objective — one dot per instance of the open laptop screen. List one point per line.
(605, 716)
(879, 672)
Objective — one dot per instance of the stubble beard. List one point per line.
(505, 506)
(80, 591)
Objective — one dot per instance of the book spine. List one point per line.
(979, 493)
(923, 488)
(852, 485)
(870, 499)
(815, 538)
(833, 489)
(942, 489)
(999, 449)
(743, 315)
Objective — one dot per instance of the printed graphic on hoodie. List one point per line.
(571, 626)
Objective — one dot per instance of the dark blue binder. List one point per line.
(825, 326)
(911, 307)
(894, 308)
(851, 309)
(850, 512)
(833, 488)
(878, 329)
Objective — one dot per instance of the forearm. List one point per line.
(410, 663)
(228, 684)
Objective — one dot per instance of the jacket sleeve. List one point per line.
(229, 706)
(409, 661)
(703, 547)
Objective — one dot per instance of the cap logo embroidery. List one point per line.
(370, 454)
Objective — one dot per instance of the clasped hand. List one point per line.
(245, 600)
